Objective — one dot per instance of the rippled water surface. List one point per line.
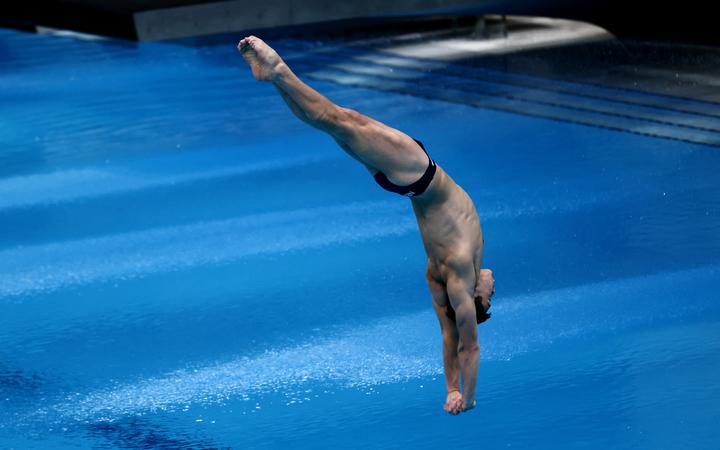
(185, 265)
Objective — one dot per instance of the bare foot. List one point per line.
(485, 287)
(264, 62)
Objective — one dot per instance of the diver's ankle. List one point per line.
(280, 72)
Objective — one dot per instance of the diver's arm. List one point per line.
(450, 361)
(453, 398)
(460, 286)
(449, 347)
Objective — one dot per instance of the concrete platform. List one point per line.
(689, 21)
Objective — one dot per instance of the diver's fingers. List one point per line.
(457, 406)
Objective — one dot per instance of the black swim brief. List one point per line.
(415, 188)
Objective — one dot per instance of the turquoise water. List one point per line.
(185, 265)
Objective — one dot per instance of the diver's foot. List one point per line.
(264, 62)
(486, 287)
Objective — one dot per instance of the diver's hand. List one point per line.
(453, 403)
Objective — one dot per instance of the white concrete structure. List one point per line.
(236, 15)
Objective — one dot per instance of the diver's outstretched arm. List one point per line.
(449, 332)
(460, 289)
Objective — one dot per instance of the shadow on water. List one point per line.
(137, 433)
(16, 385)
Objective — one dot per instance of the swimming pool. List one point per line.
(185, 265)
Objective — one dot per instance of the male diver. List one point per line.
(448, 222)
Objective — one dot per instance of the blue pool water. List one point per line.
(185, 265)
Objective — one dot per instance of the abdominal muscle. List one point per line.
(449, 225)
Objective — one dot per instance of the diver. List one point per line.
(446, 216)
